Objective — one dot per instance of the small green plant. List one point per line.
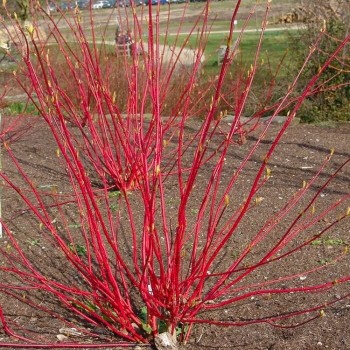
(162, 326)
(323, 261)
(74, 225)
(114, 196)
(17, 108)
(77, 249)
(33, 242)
(328, 241)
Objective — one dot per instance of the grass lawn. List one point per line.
(180, 18)
(274, 47)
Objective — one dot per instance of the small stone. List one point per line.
(319, 343)
(69, 332)
(61, 337)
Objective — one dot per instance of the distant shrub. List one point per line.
(328, 102)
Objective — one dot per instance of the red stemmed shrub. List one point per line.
(152, 224)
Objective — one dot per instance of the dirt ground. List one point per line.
(302, 149)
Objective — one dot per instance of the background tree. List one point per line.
(333, 18)
(22, 7)
(18, 7)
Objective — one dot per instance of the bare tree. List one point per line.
(318, 11)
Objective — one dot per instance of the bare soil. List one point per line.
(300, 154)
